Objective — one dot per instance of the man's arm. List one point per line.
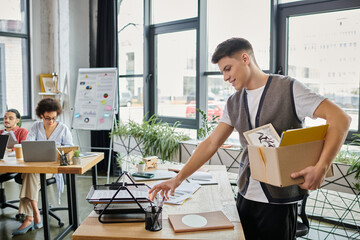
(339, 123)
(202, 154)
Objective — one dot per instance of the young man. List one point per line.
(266, 212)
(11, 120)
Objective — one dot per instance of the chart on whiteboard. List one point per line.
(95, 99)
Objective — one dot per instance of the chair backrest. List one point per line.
(302, 227)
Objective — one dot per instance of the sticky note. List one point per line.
(98, 84)
(108, 108)
(103, 102)
(77, 115)
(86, 76)
(101, 120)
(106, 115)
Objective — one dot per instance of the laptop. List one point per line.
(12, 139)
(3, 142)
(39, 151)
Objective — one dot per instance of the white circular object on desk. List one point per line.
(192, 220)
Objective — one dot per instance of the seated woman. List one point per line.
(48, 109)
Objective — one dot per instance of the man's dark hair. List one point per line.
(17, 114)
(231, 46)
(48, 105)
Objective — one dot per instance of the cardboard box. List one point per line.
(150, 162)
(273, 165)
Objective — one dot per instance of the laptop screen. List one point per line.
(39, 151)
(3, 142)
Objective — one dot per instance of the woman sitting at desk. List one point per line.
(48, 109)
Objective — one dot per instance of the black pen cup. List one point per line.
(153, 218)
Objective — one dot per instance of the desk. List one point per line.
(10, 164)
(207, 198)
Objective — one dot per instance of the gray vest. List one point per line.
(277, 107)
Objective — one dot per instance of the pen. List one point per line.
(159, 212)
(58, 151)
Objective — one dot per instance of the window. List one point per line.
(130, 47)
(176, 78)
(14, 58)
(318, 49)
(236, 18)
(167, 11)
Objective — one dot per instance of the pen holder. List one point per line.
(153, 218)
(63, 160)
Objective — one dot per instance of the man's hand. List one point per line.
(164, 188)
(313, 177)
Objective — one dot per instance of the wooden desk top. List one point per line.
(11, 164)
(207, 198)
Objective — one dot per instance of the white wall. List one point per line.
(79, 53)
(59, 37)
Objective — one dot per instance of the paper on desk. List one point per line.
(202, 178)
(108, 194)
(203, 182)
(201, 175)
(12, 154)
(183, 192)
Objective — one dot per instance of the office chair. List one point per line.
(302, 227)
(52, 210)
(3, 203)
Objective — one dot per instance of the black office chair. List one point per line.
(302, 227)
(3, 203)
(52, 210)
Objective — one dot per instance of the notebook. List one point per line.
(3, 142)
(303, 135)
(39, 151)
(200, 221)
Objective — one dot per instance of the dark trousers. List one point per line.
(267, 221)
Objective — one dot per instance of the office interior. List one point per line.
(162, 51)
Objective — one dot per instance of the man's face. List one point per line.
(10, 120)
(235, 70)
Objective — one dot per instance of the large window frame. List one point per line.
(306, 8)
(200, 24)
(150, 32)
(278, 28)
(27, 84)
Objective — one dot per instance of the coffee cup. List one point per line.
(18, 151)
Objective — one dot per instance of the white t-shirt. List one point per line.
(306, 103)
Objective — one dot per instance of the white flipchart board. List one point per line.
(95, 99)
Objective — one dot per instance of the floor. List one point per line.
(8, 223)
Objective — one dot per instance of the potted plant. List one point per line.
(206, 125)
(141, 166)
(355, 165)
(346, 168)
(149, 138)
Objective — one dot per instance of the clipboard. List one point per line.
(303, 135)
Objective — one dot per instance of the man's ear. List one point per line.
(245, 58)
